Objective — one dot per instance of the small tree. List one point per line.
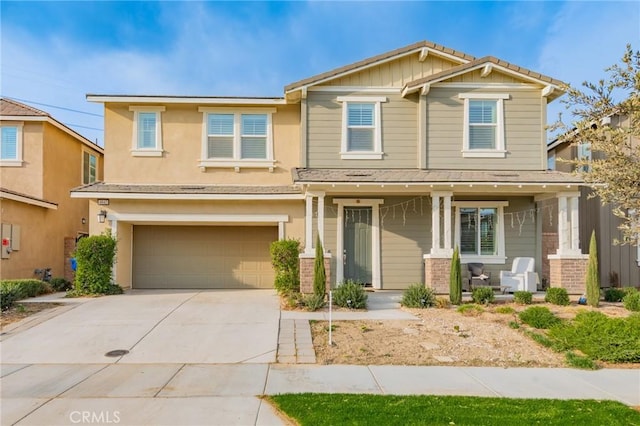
(95, 256)
(455, 279)
(593, 278)
(319, 273)
(285, 262)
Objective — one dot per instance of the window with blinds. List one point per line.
(478, 231)
(220, 135)
(147, 130)
(239, 136)
(482, 124)
(253, 141)
(9, 143)
(360, 126)
(89, 168)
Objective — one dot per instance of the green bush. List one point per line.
(614, 295)
(350, 294)
(286, 264)
(60, 284)
(539, 317)
(631, 301)
(313, 302)
(418, 296)
(601, 337)
(319, 273)
(95, 256)
(505, 310)
(469, 309)
(557, 296)
(523, 297)
(14, 290)
(455, 279)
(482, 295)
(580, 361)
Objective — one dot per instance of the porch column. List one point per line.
(308, 225)
(320, 218)
(575, 225)
(447, 224)
(438, 262)
(435, 223)
(568, 224)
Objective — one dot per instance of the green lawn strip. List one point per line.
(358, 409)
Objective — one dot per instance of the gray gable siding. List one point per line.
(523, 131)
(324, 132)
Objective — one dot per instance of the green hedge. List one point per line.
(14, 290)
(95, 256)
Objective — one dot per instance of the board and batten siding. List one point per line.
(324, 132)
(523, 131)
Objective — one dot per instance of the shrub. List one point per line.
(505, 310)
(455, 279)
(14, 290)
(286, 264)
(418, 296)
(523, 297)
(557, 296)
(601, 337)
(593, 278)
(313, 302)
(8, 296)
(442, 303)
(350, 294)
(319, 274)
(482, 295)
(95, 256)
(631, 301)
(539, 317)
(60, 284)
(614, 295)
(470, 309)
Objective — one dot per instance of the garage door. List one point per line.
(202, 256)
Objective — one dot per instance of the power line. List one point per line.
(83, 127)
(58, 107)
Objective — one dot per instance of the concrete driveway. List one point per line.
(161, 326)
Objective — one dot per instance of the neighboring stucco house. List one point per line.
(392, 161)
(41, 160)
(619, 265)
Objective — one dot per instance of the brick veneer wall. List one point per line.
(436, 274)
(549, 246)
(306, 274)
(569, 273)
(69, 247)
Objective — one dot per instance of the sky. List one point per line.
(52, 54)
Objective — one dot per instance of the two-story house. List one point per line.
(392, 161)
(41, 160)
(619, 265)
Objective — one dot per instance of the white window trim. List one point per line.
(377, 152)
(500, 258)
(147, 152)
(499, 151)
(18, 161)
(237, 162)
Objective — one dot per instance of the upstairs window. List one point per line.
(11, 145)
(483, 132)
(361, 127)
(89, 168)
(147, 131)
(237, 138)
(584, 155)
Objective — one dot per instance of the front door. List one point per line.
(357, 244)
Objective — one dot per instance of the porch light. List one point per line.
(102, 216)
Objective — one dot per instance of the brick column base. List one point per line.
(569, 272)
(69, 247)
(306, 273)
(436, 274)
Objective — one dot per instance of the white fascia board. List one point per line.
(185, 100)
(200, 218)
(27, 200)
(351, 89)
(56, 123)
(549, 186)
(148, 196)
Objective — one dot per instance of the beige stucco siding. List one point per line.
(395, 73)
(523, 131)
(182, 139)
(324, 127)
(27, 179)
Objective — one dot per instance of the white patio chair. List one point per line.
(521, 277)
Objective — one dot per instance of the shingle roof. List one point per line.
(397, 52)
(11, 107)
(431, 176)
(108, 188)
(443, 75)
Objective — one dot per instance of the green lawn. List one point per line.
(351, 409)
